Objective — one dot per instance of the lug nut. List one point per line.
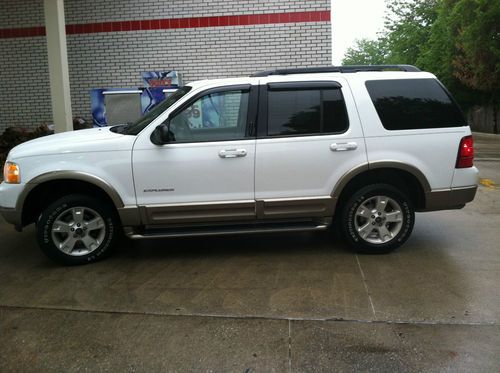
(373, 216)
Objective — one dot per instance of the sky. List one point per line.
(354, 19)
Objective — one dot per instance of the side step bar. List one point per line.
(224, 230)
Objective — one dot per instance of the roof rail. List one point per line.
(337, 69)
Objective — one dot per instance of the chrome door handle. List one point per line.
(343, 146)
(232, 153)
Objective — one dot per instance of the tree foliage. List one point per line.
(366, 52)
(476, 60)
(408, 28)
(457, 40)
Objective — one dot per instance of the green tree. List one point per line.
(437, 53)
(457, 40)
(366, 52)
(408, 29)
(464, 51)
(476, 60)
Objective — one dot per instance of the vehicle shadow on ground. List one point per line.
(243, 244)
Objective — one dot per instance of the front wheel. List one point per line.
(77, 229)
(377, 219)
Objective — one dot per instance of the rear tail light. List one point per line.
(465, 153)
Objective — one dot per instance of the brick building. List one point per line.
(111, 42)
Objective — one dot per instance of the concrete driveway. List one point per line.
(297, 302)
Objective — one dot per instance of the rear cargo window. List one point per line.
(414, 104)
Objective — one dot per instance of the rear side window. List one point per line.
(414, 104)
(305, 112)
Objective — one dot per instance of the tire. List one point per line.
(77, 229)
(377, 219)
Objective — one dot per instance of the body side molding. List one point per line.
(197, 212)
(294, 207)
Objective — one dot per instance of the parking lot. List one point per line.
(296, 302)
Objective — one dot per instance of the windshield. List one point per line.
(141, 123)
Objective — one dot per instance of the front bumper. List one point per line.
(10, 195)
(449, 199)
(10, 215)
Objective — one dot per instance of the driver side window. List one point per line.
(216, 116)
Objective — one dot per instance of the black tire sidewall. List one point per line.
(349, 213)
(50, 213)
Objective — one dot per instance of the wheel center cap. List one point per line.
(79, 231)
(378, 219)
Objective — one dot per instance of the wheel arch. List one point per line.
(398, 174)
(46, 188)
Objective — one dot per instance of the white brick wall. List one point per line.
(116, 59)
(87, 11)
(21, 13)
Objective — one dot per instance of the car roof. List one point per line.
(359, 75)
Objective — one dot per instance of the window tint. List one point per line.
(414, 103)
(306, 111)
(213, 117)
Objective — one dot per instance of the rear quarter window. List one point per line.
(406, 104)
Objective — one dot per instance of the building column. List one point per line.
(55, 27)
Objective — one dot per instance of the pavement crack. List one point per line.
(245, 317)
(366, 286)
(290, 346)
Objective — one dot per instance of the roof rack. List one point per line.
(337, 69)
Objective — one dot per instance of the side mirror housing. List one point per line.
(161, 135)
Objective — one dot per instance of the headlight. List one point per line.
(11, 173)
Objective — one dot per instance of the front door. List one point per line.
(206, 172)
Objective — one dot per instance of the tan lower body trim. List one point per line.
(283, 208)
(449, 198)
(308, 207)
(197, 212)
(129, 216)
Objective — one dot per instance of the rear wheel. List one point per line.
(377, 219)
(77, 229)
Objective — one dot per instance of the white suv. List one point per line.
(282, 150)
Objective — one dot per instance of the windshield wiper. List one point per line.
(121, 128)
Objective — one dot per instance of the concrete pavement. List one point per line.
(299, 302)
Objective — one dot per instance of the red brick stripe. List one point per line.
(175, 23)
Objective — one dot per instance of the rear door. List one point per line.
(309, 135)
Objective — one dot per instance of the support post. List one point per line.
(55, 27)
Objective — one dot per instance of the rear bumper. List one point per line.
(449, 199)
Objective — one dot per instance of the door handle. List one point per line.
(343, 146)
(232, 153)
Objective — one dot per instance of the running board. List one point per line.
(217, 231)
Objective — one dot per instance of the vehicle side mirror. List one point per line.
(162, 135)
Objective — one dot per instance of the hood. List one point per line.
(81, 141)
